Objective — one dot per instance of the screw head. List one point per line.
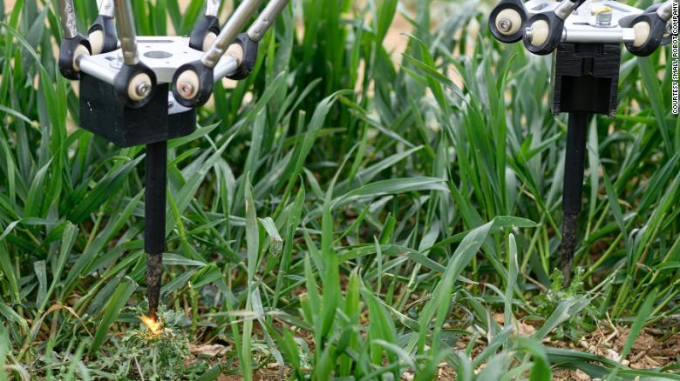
(504, 25)
(529, 33)
(143, 89)
(185, 89)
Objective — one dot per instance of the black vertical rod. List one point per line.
(574, 168)
(154, 220)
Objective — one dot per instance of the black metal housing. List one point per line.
(585, 81)
(585, 78)
(103, 114)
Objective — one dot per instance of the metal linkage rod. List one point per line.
(106, 8)
(266, 19)
(67, 14)
(234, 58)
(154, 220)
(212, 7)
(228, 34)
(665, 11)
(126, 32)
(574, 167)
(73, 46)
(566, 8)
(226, 67)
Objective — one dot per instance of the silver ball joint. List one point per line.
(504, 25)
(140, 87)
(186, 89)
(188, 84)
(143, 89)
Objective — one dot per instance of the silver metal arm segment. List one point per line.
(228, 34)
(105, 8)
(126, 32)
(266, 19)
(666, 10)
(212, 7)
(67, 14)
(228, 64)
(565, 9)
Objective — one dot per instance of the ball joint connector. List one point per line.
(74, 45)
(506, 21)
(144, 91)
(651, 29)
(208, 27)
(586, 36)
(545, 30)
(102, 34)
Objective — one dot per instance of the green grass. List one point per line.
(356, 234)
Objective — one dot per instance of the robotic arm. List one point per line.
(145, 90)
(542, 25)
(192, 64)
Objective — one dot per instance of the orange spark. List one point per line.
(154, 326)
